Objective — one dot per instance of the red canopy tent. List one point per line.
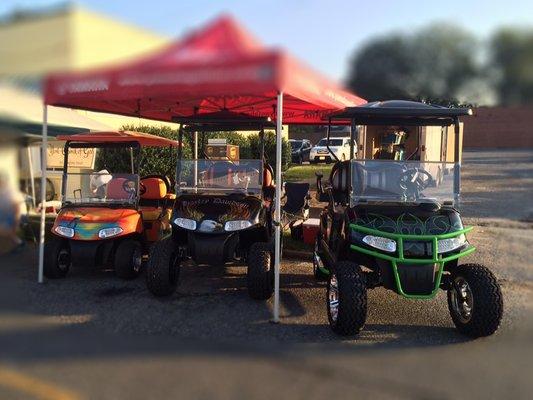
(220, 67)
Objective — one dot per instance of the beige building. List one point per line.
(66, 38)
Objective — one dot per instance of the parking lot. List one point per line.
(92, 335)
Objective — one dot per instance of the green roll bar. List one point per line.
(399, 238)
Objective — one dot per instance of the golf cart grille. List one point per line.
(413, 273)
(417, 279)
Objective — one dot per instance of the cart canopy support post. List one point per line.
(457, 159)
(277, 216)
(44, 162)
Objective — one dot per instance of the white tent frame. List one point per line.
(277, 214)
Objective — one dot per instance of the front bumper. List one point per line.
(405, 278)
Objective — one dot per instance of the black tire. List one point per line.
(351, 310)
(163, 268)
(260, 274)
(312, 161)
(57, 258)
(483, 297)
(128, 259)
(318, 274)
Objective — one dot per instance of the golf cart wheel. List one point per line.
(260, 274)
(128, 259)
(317, 262)
(57, 258)
(162, 271)
(346, 299)
(475, 300)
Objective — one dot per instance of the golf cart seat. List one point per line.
(340, 182)
(296, 207)
(377, 180)
(154, 205)
(115, 189)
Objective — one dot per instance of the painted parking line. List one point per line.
(33, 386)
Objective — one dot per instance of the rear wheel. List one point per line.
(128, 259)
(57, 258)
(475, 300)
(346, 299)
(162, 271)
(260, 274)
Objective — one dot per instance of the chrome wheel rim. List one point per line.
(63, 259)
(462, 299)
(333, 298)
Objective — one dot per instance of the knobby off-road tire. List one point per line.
(57, 258)
(128, 259)
(260, 274)
(346, 299)
(486, 305)
(162, 270)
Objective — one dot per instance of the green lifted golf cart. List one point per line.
(392, 219)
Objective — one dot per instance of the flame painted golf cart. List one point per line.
(393, 220)
(108, 216)
(223, 211)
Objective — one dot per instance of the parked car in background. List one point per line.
(300, 149)
(340, 146)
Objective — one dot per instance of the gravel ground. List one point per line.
(95, 336)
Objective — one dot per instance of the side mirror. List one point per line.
(319, 174)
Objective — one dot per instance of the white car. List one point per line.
(340, 146)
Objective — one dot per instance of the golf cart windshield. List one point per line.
(243, 176)
(101, 174)
(402, 181)
(101, 188)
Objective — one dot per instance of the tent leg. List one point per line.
(277, 216)
(32, 177)
(43, 192)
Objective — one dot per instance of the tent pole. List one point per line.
(277, 216)
(195, 156)
(32, 177)
(44, 162)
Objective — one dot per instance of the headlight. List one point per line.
(446, 245)
(236, 225)
(380, 243)
(186, 223)
(109, 232)
(64, 231)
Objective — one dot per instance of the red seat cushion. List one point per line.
(115, 189)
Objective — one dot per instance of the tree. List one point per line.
(432, 64)
(511, 56)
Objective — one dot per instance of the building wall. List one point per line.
(36, 46)
(505, 127)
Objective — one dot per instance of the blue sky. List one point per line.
(323, 33)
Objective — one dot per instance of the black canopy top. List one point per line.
(401, 112)
(224, 120)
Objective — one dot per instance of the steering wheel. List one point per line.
(414, 180)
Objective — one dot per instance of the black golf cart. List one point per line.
(392, 219)
(223, 211)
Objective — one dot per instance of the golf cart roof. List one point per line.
(144, 139)
(401, 112)
(224, 120)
